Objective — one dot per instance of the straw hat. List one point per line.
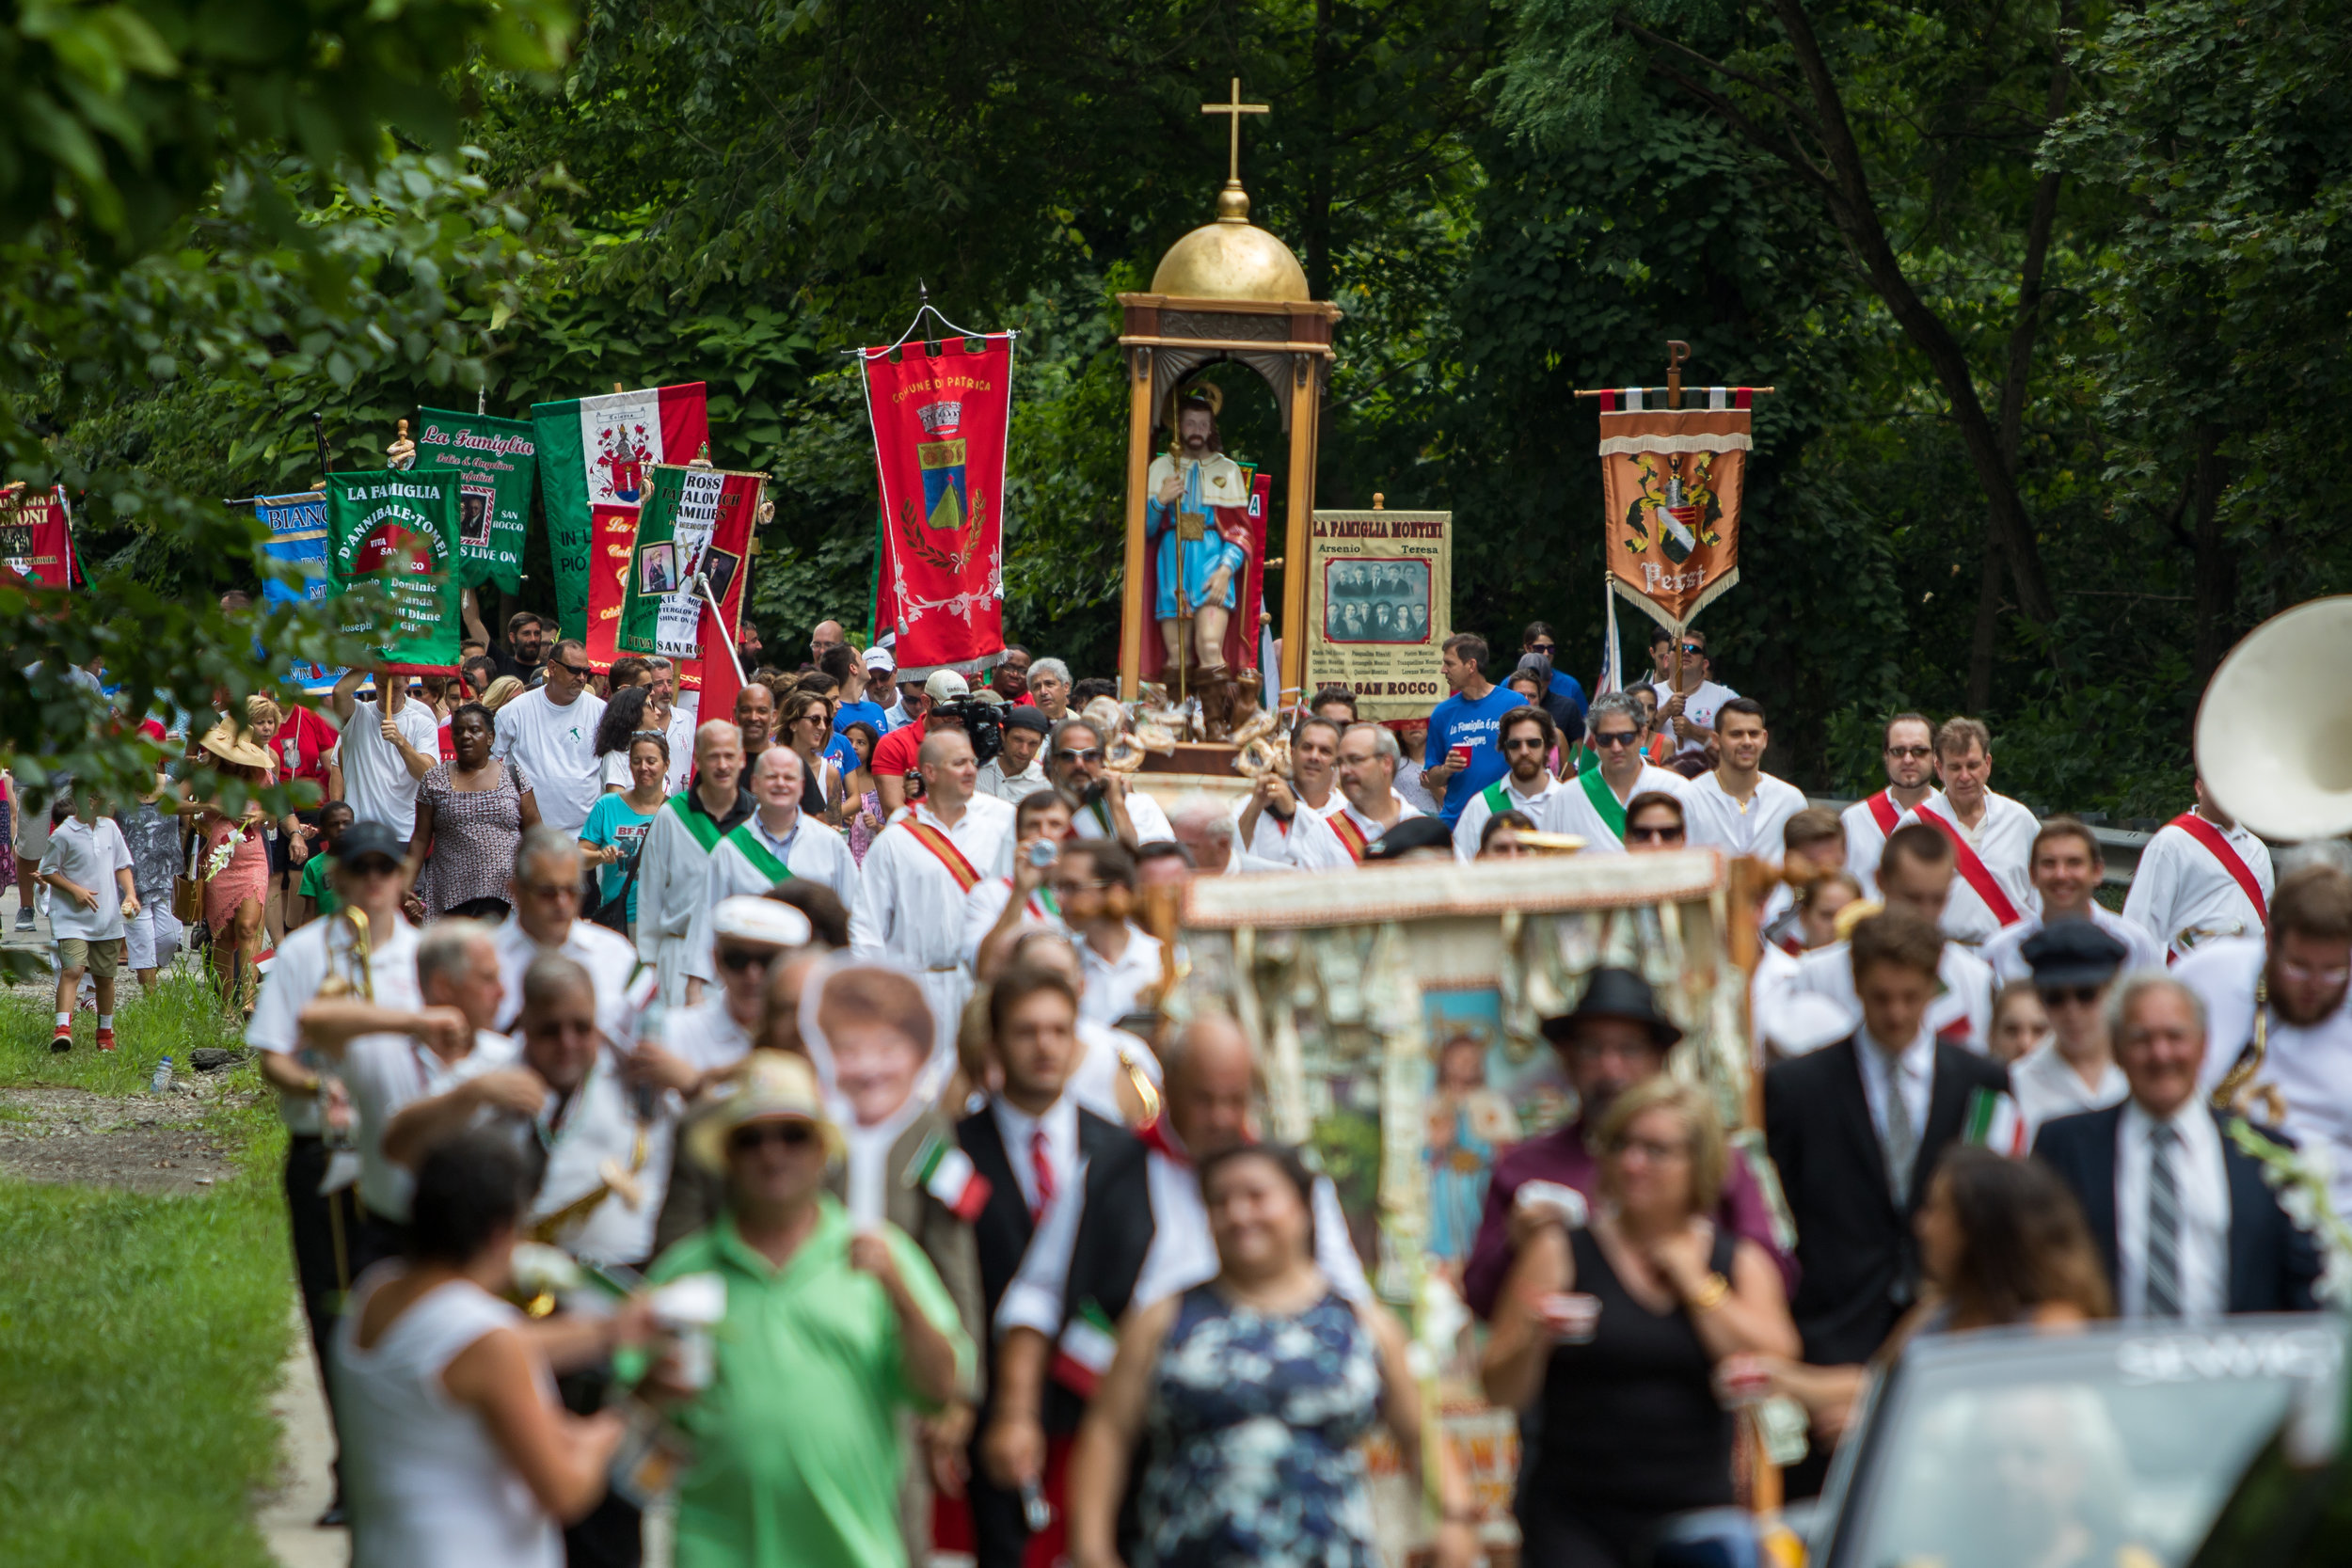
(235, 746)
(769, 1085)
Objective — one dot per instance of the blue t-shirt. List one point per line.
(614, 820)
(852, 713)
(843, 753)
(1459, 722)
(1566, 686)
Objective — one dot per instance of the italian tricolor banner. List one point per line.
(596, 461)
(946, 1172)
(1089, 1343)
(698, 523)
(400, 527)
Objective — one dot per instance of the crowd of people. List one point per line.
(844, 1000)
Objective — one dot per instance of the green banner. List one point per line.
(657, 536)
(400, 527)
(497, 458)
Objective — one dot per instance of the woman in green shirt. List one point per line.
(827, 1336)
(616, 825)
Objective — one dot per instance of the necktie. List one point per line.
(2164, 1225)
(1902, 1139)
(1042, 1163)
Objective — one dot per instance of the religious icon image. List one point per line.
(473, 517)
(656, 570)
(1375, 601)
(1470, 1123)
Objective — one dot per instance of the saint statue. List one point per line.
(1197, 522)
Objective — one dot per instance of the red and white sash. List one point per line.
(1352, 838)
(1973, 870)
(944, 848)
(2220, 848)
(1885, 812)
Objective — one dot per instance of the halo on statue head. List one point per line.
(853, 1012)
(1184, 392)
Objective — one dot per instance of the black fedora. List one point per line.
(1615, 992)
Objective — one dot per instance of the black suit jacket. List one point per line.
(1858, 1264)
(1114, 1230)
(2273, 1264)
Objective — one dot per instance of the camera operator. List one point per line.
(1101, 802)
(945, 703)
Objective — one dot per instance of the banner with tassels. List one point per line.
(698, 521)
(1671, 483)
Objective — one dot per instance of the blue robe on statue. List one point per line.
(1193, 562)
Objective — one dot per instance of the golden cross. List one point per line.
(1236, 108)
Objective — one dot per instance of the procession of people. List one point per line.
(1005, 1268)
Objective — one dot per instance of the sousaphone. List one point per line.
(2274, 731)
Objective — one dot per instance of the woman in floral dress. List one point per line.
(472, 811)
(1255, 1389)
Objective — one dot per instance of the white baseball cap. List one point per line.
(946, 685)
(754, 919)
(877, 658)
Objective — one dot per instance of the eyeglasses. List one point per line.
(1612, 739)
(2081, 996)
(791, 1134)
(552, 890)
(1653, 836)
(1063, 889)
(1913, 751)
(735, 960)
(2305, 974)
(1086, 755)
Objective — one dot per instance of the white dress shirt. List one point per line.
(609, 959)
(2141, 950)
(1018, 1128)
(1961, 1013)
(1866, 841)
(1569, 810)
(302, 965)
(985, 905)
(1113, 986)
(2202, 1181)
(1912, 1074)
(1015, 788)
(385, 1075)
(1735, 829)
(909, 907)
(596, 1127)
(1313, 844)
(1143, 813)
(2003, 840)
(1270, 842)
(2180, 895)
(705, 1036)
(2046, 1086)
(1476, 813)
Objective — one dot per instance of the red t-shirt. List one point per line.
(301, 743)
(899, 751)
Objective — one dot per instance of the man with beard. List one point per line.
(2286, 999)
(1102, 804)
(1186, 487)
(1273, 807)
(1909, 759)
(1528, 736)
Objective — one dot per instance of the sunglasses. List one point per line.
(1088, 755)
(374, 865)
(791, 1134)
(1908, 751)
(1546, 649)
(1614, 738)
(1694, 647)
(1654, 835)
(2082, 996)
(1524, 743)
(735, 960)
(577, 671)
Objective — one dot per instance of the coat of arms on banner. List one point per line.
(947, 507)
(1676, 508)
(623, 449)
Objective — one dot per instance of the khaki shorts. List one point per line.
(102, 959)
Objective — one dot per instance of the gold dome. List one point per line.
(1230, 258)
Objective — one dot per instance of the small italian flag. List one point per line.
(946, 1172)
(1088, 1341)
(1993, 1122)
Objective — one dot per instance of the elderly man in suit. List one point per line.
(2184, 1220)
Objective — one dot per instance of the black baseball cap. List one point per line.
(2072, 953)
(362, 839)
(1026, 718)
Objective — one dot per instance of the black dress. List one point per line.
(1632, 1432)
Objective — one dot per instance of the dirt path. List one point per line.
(144, 1143)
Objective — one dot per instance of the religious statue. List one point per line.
(1197, 524)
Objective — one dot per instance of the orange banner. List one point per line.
(1671, 483)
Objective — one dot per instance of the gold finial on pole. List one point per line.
(1232, 203)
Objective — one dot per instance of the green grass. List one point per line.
(140, 1337)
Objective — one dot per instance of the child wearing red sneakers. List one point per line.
(88, 866)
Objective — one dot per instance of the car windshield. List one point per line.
(1988, 1451)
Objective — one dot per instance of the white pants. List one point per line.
(153, 936)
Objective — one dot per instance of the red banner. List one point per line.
(941, 424)
(1671, 483)
(37, 538)
(618, 439)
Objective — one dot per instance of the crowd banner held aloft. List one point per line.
(697, 520)
(399, 526)
(37, 536)
(941, 424)
(298, 538)
(497, 458)
(1671, 484)
(596, 461)
(1379, 607)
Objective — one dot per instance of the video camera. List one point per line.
(981, 724)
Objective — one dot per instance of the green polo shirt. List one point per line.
(318, 882)
(797, 1458)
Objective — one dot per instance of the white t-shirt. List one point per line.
(556, 749)
(304, 960)
(376, 781)
(1714, 818)
(87, 854)
(1699, 708)
(386, 1073)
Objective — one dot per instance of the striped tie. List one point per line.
(1902, 1139)
(2164, 1225)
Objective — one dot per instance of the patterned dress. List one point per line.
(474, 835)
(1254, 1422)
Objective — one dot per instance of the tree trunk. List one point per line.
(1854, 211)
(1322, 273)
(2216, 569)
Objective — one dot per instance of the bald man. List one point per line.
(909, 909)
(776, 844)
(673, 867)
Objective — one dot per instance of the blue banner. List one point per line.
(297, 530)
